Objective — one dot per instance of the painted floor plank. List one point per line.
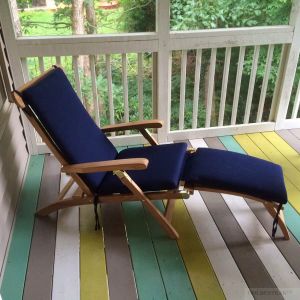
(93, 278)
(172, 268)
(237, 241)
(118, 260)
(146, 269)
(38, 284)
(296, 132)
(202, 275)
(227, 272)
(290, 139)
(67, 252)
(15, 271)
(287, 248)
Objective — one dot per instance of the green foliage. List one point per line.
(138, 15)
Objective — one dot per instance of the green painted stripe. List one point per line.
(174, 273)
(146, 270)
(292, 218)
(16, 266)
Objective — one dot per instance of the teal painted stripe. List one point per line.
(231, 144)
(292, 218)
(174, 273)
(148, 278)
(16, 265)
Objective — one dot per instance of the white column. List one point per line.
(164, 67)
(288, 69)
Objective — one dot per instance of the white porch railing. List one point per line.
(167, 53)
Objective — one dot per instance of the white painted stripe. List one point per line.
(66, 278)
(277, 266)
(227, 272)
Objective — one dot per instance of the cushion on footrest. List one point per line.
(234, 172)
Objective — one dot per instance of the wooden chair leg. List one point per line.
(170, 209)
(65, 203)
(135, 189)
(272, 209)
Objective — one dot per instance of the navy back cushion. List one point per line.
(59, 109)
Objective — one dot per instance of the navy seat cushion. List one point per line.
(230, 171)
(163, 172)
(59, 109)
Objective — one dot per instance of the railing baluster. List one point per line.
(297, 102)
(154, 84)
(196, 88)
(251, 84)
(182, 88)
(264, 87)
(125, 89)
(211, 83)
(77, 78)
(58, 60)
(41, 64)
(25, 69)
(224, 85)
(238, 85)
(110, 91)
(140, 85)
(94, 89)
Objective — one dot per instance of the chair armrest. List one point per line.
(133, 125)
(107, 165)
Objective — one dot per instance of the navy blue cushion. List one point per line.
(62, 114)
(163, 172)
(230, 171)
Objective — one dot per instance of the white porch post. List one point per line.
(15, 66)
(288, 67)
(164, 67)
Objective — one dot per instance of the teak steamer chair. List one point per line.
(144, 174)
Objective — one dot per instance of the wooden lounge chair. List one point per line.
(144, 174)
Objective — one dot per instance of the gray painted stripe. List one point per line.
(295, 132)
(38, 284)
(251, 267)
(290, 138)
(118, 260)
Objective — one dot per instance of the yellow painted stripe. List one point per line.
(261, 152)
(289, 152)
(202, 275)
(93, 279)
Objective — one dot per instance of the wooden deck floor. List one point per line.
(224, 251)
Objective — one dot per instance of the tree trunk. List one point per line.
(15, 16)
(90, 17)
(38, 2)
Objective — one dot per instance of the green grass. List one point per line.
(41, 22)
